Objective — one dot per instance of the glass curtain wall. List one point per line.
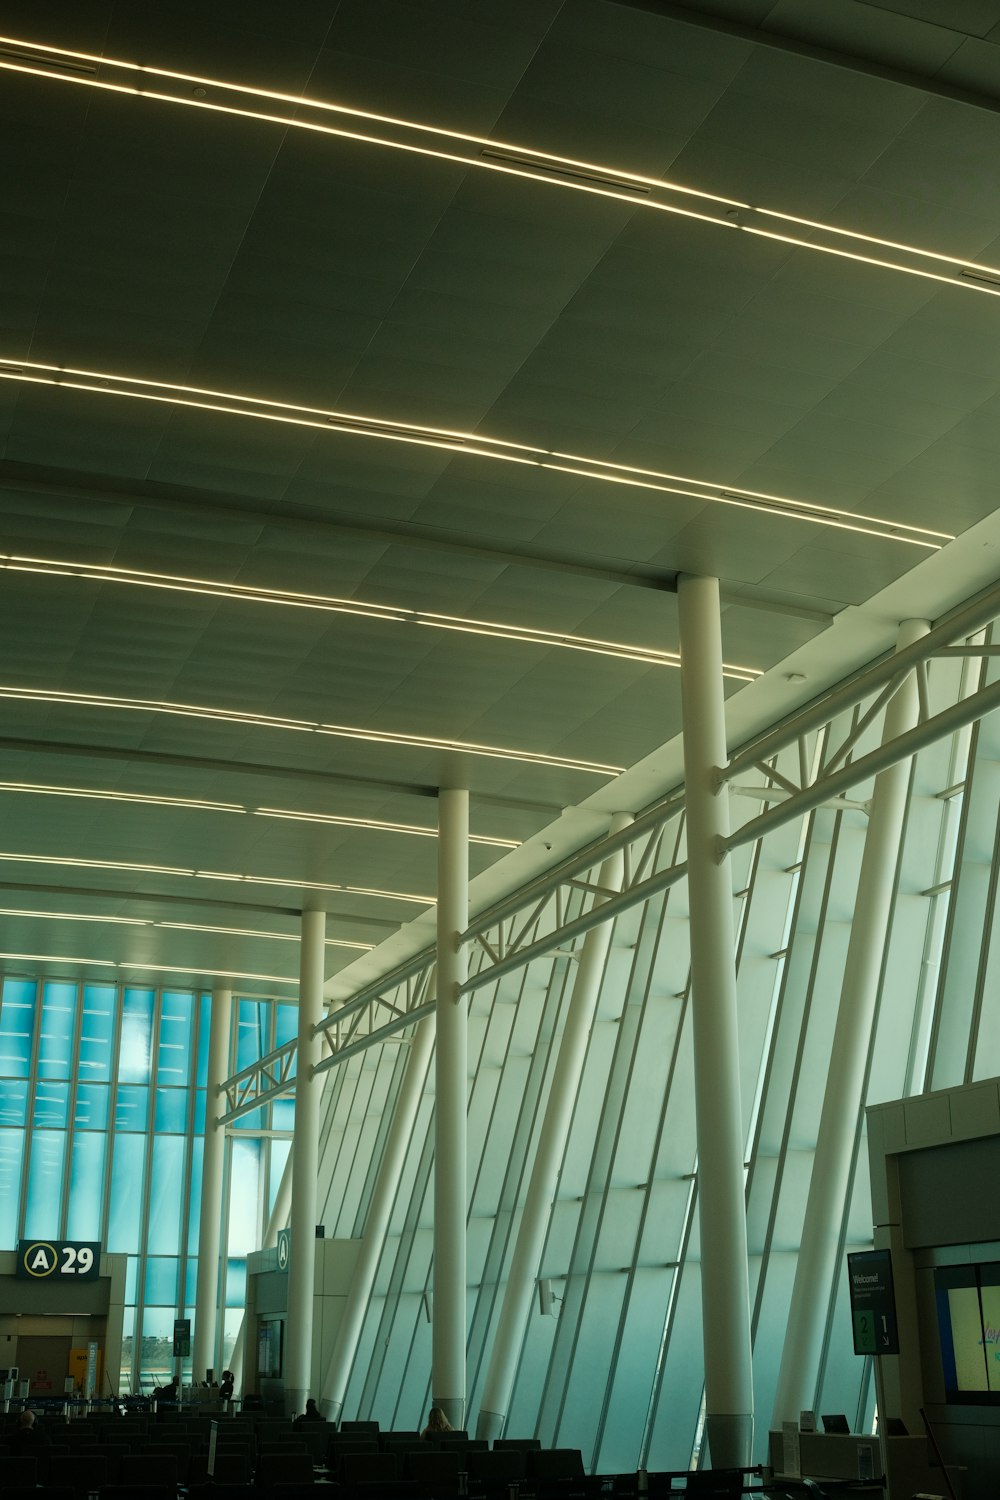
(615, 1367)
(102, 1119)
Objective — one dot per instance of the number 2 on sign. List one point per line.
(77, 1261)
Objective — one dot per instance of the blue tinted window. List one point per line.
(136, 1036)
(173, 1063)
(194, 1204)
(191, 1281)
(86, 1187)
(11, 1147)
(55, 1044)
(204, 1027)
(243, 1211)
(97, 1032)
(91, 1106)
(132, 1107)
(171, 1110)
(51, 1105)
(13, 1101)
(199, 1112)
(236, 1283)
(283, 1114)
(161, 1280)
(126, 1193)
(166, 1194)
(45, 1172)
(279, 1155)
(131, 1280)
(251, 1035)
(286, 1024)
(17, 1027)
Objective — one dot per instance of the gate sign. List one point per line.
(182, 1337)
(284, 1248)
(58, 1260)
(873, 1302)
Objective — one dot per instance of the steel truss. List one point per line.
(534, 923)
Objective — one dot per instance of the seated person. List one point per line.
(27, 1438)
(311, 1414)
(436, 1422)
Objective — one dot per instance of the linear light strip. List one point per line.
(110, 963)
(499, 451)
(132, 867)
(377, 825)
(218, 588)
(494, 155)
(306, 726)
(254, 932)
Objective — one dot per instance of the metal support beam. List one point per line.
(721, 1203)
(549, 1152)
(451, 1109)
(210, 1222)
(816, 1268)
(305, 1165)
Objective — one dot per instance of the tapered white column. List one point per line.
(213, 1159)
(721, 1200)
(305, 1165)
(519, 1295)
(377, 1222)
(450, 1110)
(829, 1184)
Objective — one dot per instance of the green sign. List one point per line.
(58, 1260)
(873, 1302)
(182, 1337)
(284, 1248)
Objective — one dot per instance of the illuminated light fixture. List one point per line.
(390, 132)
(249, 593)
(201, 805)
(135, 868)
(374, 823)
(499, 450)
(254, 932)
(306, 726)
(96, 794)
(108, 963)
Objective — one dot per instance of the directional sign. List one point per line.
(182, 1337)
(284, 1248)
(58, 1260)
(873, 1302)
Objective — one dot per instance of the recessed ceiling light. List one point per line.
(415, 138)
(254, 932)
(107, 963)
(106, 701)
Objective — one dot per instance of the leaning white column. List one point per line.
(377, 1221)
(721, 1193)
(448, 1316)
(213, 1158)
(305, 1166)
(829, 1184)
(521, 1281)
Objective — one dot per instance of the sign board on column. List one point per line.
(284, 1248)
(58, 1260)
(873, 1302)
(182, 1337)
(90, 1380)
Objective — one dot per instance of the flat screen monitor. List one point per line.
(835, 1421)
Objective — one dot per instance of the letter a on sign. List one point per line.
(40, 1261)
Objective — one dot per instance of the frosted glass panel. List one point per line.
(13, 1101)
(126, 1193)
(97, 1032)
(55, 1044)
(11, 1150)
(51, 1105)
(166, 1195)
(137, 1036)
(92, 1106)
(17, 1027)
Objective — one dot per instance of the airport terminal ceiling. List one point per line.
(369, 372)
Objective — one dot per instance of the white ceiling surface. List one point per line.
(159, 243)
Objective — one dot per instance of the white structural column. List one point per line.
(448, 1317)
(305, 1165)
(213, 1160)
(721, 1193)
(519, 1295)
(829, 1184)
(377, 1221)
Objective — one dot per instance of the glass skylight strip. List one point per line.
(477, 445)
(110, 963)
(254, 932)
